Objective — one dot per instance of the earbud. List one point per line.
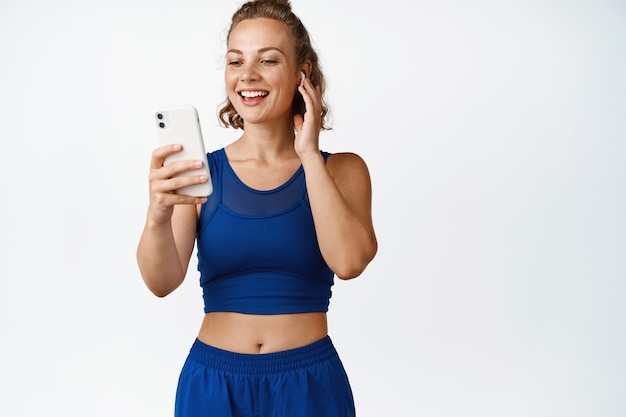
(302, 77)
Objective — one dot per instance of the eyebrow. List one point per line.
(266, 49)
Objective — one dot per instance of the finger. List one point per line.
(169, 184)
(177, 183)
(310, 89)
(180, 169)
(177, 168)
(162, 152)
(173, 199)
(312, 97)
(298, 120)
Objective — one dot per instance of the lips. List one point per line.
(253, 97)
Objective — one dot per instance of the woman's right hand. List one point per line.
(163, 183)
(167, 241)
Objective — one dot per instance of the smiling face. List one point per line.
(261, 75)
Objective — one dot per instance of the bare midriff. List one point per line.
(248, 333)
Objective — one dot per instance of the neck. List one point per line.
(265, 142)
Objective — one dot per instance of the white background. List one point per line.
(495, 133)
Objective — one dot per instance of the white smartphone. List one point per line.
(180, 124)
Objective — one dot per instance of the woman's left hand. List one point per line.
(308, 127)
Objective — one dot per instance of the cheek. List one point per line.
(230, 83)
(229, 78)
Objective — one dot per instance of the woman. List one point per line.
(283, 219)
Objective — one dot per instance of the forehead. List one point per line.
(260, 33)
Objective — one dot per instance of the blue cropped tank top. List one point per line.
(257, 250)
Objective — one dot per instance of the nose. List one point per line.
(249, 73)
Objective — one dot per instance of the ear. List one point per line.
(306, 68)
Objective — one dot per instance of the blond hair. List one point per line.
(279, 10)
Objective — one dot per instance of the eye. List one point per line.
(234, 63)
(268, 61)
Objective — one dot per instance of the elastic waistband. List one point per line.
(264, 363)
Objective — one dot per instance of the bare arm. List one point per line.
(168, 236)
(340, 195)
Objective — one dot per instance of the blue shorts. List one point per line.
(304, 382)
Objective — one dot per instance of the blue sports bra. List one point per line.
(257, 250)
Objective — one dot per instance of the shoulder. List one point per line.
(349, 171)
(346, 163)
(215, 158)
(216, 153)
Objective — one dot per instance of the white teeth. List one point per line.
(253, 94)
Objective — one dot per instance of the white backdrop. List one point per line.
(495, 134)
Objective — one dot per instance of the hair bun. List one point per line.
(285, 3)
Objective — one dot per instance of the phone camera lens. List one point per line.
(159, 116)
(161, 124)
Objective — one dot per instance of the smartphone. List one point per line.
(180, 124)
